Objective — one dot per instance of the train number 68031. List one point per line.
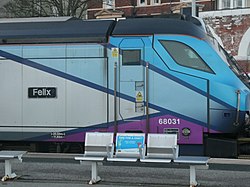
(169, 121)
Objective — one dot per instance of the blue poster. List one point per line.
(131, 143)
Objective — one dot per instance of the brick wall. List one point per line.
(245, 65)
(208, 5)
(231, 29)
(148, 10)
(95, 4)
(125, 3)
(91, 14)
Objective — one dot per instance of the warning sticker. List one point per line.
(115, 52)
(139, 96)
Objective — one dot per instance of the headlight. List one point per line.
(186, 131)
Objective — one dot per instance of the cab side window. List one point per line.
(185, 55)
(131, 57)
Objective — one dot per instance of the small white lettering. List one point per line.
(48, 92)
(169, 121)
(42, 92)
(57, 135)
(35, 91)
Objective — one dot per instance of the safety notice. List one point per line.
(139, 96)
(115, 52)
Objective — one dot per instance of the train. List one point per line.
(62, 77)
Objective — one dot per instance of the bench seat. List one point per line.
(192, 160)
(161, 148)
(90, 158)
(98, 146)
(122, 159)
(156, 160)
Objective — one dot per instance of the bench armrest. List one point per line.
(110, 150)
(175, 151)
(142, 151)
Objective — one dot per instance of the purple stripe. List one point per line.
(157, 125)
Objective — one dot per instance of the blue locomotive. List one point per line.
(62, 77)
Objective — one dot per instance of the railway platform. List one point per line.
(52, 170)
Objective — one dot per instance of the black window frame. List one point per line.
(207, 70)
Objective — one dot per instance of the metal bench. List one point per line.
(161, 148)
(194, 162)
(8, 157)
(129, 147)
(97, 148)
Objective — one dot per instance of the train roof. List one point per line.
(72, 30)
(44, 30)
(150, 26)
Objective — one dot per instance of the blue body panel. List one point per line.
(190, 92)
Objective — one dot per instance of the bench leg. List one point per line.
(193, 181)
(94, 173)
(8, 173)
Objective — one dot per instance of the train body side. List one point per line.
(76, 73)
(180, 98)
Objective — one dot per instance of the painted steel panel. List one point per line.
(11, 93)
(85, 106)
(57, 64)
(227, 92)
(127, 105)
(86, 50)
(44, 51)
(43, 111)
(13, 49)
(93, 70)
(224, 120)
(177, 98)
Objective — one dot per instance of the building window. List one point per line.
(185, 55)
(247, 3)
(108, 4)
(226, 4)
(141, 2)
(155, 2)
(237, 3)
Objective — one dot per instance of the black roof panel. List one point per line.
(150, 26)
(72, 30)
(37, 30)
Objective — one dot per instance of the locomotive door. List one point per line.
(131, 79)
